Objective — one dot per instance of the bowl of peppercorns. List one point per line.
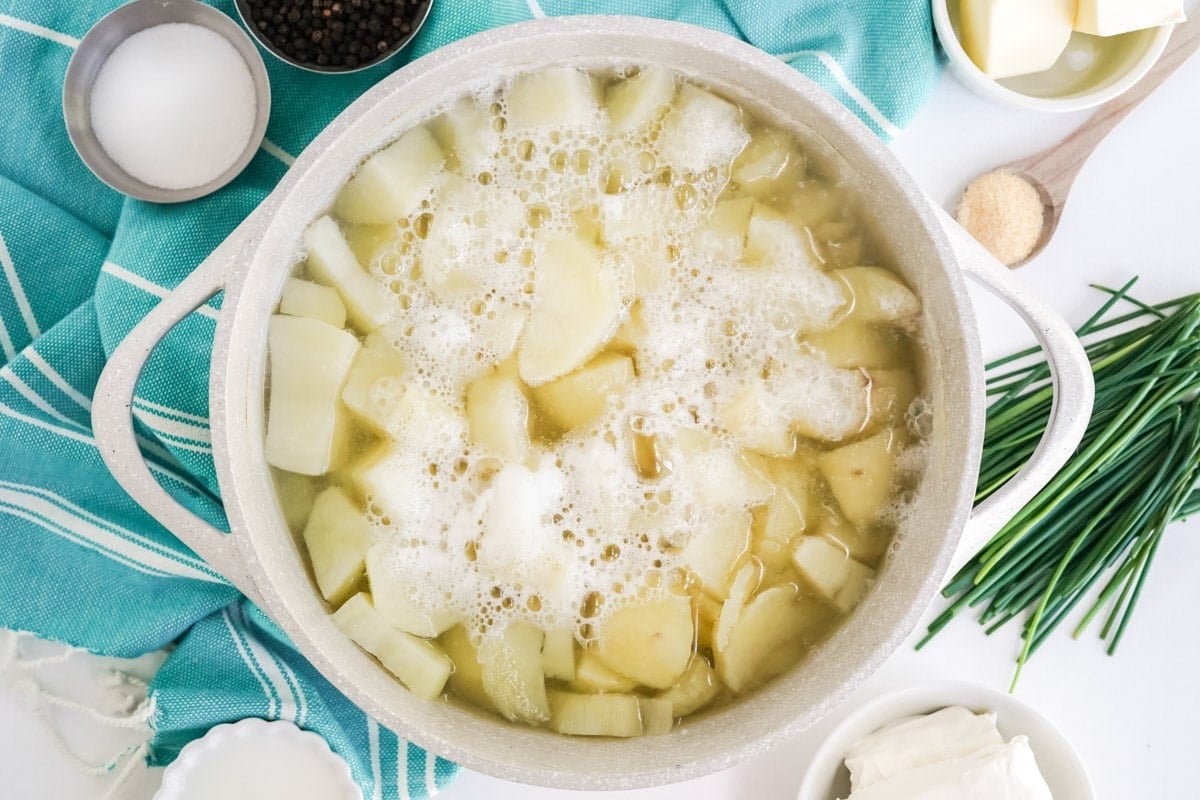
(334, 36)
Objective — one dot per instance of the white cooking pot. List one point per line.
(932, 254)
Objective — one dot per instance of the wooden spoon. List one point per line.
(1052, 172)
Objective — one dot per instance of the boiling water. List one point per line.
(614, 512)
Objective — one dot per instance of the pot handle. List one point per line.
(1070, 373)
(112, 419)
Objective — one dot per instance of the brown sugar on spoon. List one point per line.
(1004, 213)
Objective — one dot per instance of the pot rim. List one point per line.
(236, 394)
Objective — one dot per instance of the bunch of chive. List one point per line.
(1104, 514)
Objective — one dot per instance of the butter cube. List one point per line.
(1110, 17)
(1016, 37)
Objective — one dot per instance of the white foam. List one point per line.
(573, 532)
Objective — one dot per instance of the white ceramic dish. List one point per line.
(827, 778)
(263, 760)
(1093, 70)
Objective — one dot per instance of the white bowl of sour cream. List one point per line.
(828, 778)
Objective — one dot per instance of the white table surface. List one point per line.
(1133, 717)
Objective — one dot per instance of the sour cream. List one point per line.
(947, 755)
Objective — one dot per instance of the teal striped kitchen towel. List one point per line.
(80, 265)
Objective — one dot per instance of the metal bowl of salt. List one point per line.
(180, 110)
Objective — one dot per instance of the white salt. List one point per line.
(174, 105)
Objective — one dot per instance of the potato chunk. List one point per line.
(832, 572)
(700, 131)
(467, 136)
(576, 308)
(376, 362)
(650, 642)
(393, 182)
(467, 679)
(512, 673)
(396, 603)
(305, 420)
(551, 97)
(578, 399)
(766, 158)
(558, 654)
(498, 414)
(636, 102)
(595, 714)
(337, 537)
(420, 665)
(763, 641)
(878, 295)
(860, 476)
(723, 234)
(695, 689)
(302, 298)
(851, 345)
(332, 262)
(593, 675)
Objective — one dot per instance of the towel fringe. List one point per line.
(20, 676)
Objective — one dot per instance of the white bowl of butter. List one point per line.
(1053, 55)
(925, 741)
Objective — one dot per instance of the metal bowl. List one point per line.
(98, 45)
(243, 9)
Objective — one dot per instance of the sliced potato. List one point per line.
(723, 234)
(866, 544)
(296, 496)
(396, 603)
(860, 476)
(577, 306)
(636, 102)
(369, 242)
(512, 673)
(303, 298)
(595, 714)
(658, 716)
(558, 654)
(337, 536)
(467, 136)
(376, 361)
(745, 583)
(466, 680)
(700, 131)
(721, 474)
(891, 394)
(758, 421)
(306, 423)
(498, 414)
(593, 675)
(332, 262)
(578, 399)
(551, 97)
(775, 528)
(420, 665)
(851, 345)
(878, 295)
(771, 237)
(695, 689)
(392, 182)
(832, 572)
(766, 630)
(650, 642)
(764, 161)
(713, 550)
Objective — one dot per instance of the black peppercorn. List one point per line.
(334, 33)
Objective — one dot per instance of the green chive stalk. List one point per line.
(1101, 519)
